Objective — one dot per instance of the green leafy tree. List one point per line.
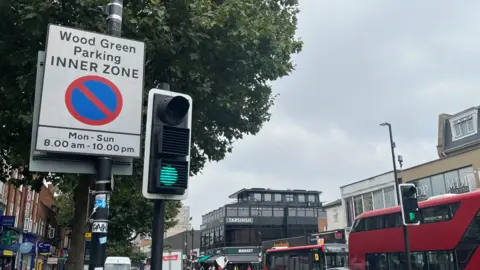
(222, 55)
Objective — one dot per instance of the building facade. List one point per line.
(456, 169)
(376, 192)
(260, 214)
(28, 217)
(183, 222)
(335, 215)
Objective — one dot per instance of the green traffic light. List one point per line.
(168, 175)
(411, 216)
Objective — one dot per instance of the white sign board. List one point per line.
(100, 227)
(172, 260)
(91, 100)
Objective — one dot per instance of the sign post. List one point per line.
(91, 106)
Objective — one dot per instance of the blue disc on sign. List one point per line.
(93, 100)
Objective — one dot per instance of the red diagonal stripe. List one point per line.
(94, 100)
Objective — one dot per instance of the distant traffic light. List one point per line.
(167, 145)
(409, 204)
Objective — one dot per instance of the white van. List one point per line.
(117, 263)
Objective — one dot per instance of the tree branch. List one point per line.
(136, 234)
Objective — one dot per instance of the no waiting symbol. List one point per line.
(93, 100)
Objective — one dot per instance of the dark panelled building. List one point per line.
(259, 215)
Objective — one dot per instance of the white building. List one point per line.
(183, 223)
(335, 215)
(376, 192)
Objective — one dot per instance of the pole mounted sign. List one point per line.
(91, 101)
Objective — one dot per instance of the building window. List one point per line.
(349, 211)
(266, 212)
(278, 212)
(378, 200)
(289, 197)
(292, 212)
(243, 212)
(301, 198)
(301, 212)
(278, 197)
(232, 212)
(322, 213)
(335, 215)
(367, 202)
(254, 211)
(389, 194)
(309, 212)
(464, 126)
(267, 197)
(311, 198)
(358, 205)
(257, 196)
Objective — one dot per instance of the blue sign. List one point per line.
(7, 221)
(26, 247)
(93, 100)
(100, 203)
(43, 247)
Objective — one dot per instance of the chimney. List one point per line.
(442, 120)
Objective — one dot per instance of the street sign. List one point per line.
(43, 247)
(88, 79)
(41, 161)
(100, 227)
(93, 100)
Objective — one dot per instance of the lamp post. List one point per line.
(397, 191)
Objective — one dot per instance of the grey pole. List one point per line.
(104, 164)
(397, 189)
(158, 223)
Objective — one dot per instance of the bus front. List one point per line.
(295, 258)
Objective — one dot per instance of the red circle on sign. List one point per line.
(78, 84)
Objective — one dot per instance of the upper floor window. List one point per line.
(301, 198)
(289, 197)
(464, 125)
(311, 198)
(267, 197)
(257, 196)
(278, 197)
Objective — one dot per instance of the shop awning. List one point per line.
(204, 258)
(243, 258)
(214, 258)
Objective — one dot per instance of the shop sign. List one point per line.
(458, 185)
(239, 220)
(239, 250)
(281, 244)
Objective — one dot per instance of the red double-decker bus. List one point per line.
(447, 238)
(295, 258)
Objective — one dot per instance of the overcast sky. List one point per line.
(363, 63)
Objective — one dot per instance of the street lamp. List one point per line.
(397, 182)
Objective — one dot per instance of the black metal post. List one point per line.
(104, 164)
(397, 189)
(100, 220)
(158, 223)
(158, 230)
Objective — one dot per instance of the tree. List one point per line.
(222, 55)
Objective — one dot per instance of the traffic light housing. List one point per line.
(409, 204)
(166, 165)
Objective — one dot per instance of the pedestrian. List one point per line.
(249, 267)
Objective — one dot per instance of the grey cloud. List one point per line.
(364, 62)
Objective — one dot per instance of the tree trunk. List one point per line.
(77, 245)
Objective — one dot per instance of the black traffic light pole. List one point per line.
(397, 188)
(104, 164)
(158, 224)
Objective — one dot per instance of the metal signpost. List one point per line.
(88, 110)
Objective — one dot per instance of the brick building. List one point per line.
(35, 222)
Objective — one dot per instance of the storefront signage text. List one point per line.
(458, 185)
(239, 220)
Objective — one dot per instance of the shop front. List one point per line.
(9, 245)
(238, 258)
(455, 174)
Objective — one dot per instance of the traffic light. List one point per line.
(167, 145)
(409, 204)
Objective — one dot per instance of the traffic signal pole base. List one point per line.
(158, 230)
(407, 247)
(100, 221)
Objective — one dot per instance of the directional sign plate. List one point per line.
(91, 101)
(100, 227)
